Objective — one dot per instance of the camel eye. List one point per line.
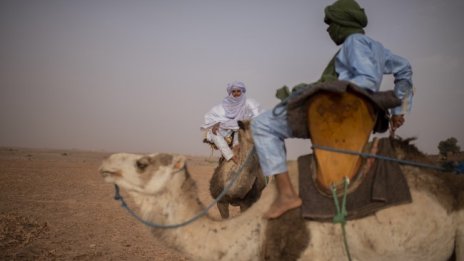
(142, 164)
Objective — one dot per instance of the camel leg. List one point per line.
(223, 209)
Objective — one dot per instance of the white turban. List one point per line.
(236, 85)
(230, 110)
(234, 106)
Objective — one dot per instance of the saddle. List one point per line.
(340, 119)
(343, 121)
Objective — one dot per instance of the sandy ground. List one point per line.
(55, 206)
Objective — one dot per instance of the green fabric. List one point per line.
(339, 33)
(329, 74)
(346, 13)
(344, 17)
(282, 93)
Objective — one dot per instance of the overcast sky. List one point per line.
(138, 76)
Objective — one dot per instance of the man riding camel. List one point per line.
(360, 61)
(221, 121)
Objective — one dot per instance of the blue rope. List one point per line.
(118, 196)
(369, 155)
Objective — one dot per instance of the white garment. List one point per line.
(217, 114)
(221, 143)
(227, 126)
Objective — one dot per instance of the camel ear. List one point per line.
(241, 125)
(179, 162)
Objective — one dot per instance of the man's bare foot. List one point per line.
(282, 205)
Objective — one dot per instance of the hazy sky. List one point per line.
(138, 76)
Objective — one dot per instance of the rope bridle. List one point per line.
(204, 212)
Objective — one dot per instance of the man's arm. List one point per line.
(402, 72)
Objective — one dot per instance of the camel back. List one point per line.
(343, 121)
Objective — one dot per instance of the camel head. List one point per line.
(246, 139)
(244, 128)
(146, 174)
(406, 150)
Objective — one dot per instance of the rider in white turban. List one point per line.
(221, 121)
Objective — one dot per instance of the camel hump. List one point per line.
(340, 121)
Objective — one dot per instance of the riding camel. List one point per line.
(428, 228)
(247, 187)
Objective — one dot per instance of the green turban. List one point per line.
(344, 17)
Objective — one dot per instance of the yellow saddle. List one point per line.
(341, 121)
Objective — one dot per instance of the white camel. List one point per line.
(429, 228)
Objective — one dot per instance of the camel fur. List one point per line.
(429, 228)
(246, 190)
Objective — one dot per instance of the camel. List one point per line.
(429, 228)
(248, 186)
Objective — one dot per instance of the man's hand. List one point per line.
(215, 128)
(396, 121)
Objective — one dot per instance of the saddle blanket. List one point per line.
(384, 185)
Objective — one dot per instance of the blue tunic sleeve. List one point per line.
(364, 61)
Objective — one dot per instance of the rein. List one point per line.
(204, 212)
(381, 157)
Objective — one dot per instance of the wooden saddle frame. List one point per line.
(340, 121)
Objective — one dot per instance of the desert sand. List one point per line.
(55, 206)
